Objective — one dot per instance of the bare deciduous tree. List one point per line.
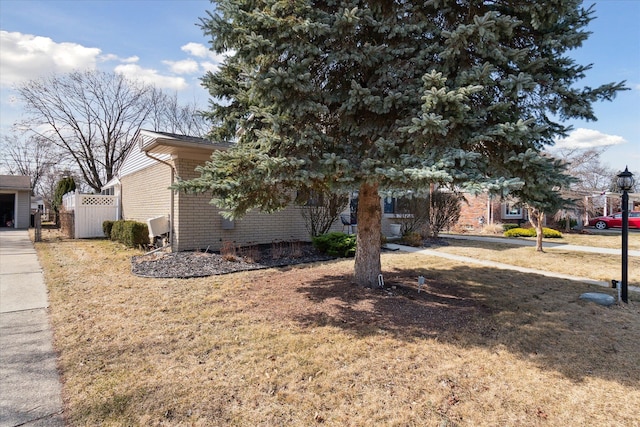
(32, 156)
(92, 116)
(585, 166)
(444, 211)
(168, 115)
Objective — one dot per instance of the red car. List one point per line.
(602, 222)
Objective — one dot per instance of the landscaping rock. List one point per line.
(202, 264)
(598, 298)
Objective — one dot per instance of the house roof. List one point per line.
(154, 146)
(15, 183)
(170, 143)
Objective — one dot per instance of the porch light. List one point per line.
(625, 180)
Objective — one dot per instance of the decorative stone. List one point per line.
(598, 298)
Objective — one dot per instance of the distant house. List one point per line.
(482, 209)
(15, 201)
(143, 182)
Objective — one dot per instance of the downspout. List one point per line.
(172, 197)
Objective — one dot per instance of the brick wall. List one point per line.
(472, 210)
(145, 193)
(199, 225)
(196, 223)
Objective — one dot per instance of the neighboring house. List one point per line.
(143, 182)
(37, 204)
(475, 212)
(484, 209)
(15, 201)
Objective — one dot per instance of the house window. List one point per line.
(512, 210)
(397, 206)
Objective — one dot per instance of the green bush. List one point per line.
(130, 233)
(520, 232)
(106, 228)
(549, 233)
(509, 226)
(336, 244)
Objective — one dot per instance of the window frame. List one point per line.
(509, 207)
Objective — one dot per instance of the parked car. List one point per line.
(602, 222)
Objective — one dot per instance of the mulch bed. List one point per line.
(202, 264)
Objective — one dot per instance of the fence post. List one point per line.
(77, 210)
(38, 225)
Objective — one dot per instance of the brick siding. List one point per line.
(199, 225)
(145, 193)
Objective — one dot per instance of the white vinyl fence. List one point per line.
(90, 211)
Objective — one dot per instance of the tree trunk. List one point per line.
(539, 235)
(367, 263)
(536, 218)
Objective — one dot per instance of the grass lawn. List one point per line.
(582, 264)
(606, 239)
(303, 346)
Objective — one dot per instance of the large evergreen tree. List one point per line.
(383, 96)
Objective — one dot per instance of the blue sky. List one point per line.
(159, 41)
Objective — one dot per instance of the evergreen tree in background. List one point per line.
(66, 185)
(383, 97)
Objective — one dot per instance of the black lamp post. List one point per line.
(625, 182)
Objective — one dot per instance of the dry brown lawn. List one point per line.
(604, 239)
(304, 346)
(557, 259)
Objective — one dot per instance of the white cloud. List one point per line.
(210, 66)
(197, 49)
(151, 76)
(114, 57)
(25, 57)
(187, 66)
(211, 60)
(589, 138)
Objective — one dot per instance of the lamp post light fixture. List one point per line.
(625, 183)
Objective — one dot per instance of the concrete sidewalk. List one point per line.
(30, 393)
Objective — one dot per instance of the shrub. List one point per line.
(492, 229)
(412, 239)
(549, 233)
(130, 233)
(251, 253)
(509, 226)
(520, 232)
(106, 228)
(320, 210)
(336, 244)
(66, 220)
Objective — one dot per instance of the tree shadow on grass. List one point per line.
(539, 318)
